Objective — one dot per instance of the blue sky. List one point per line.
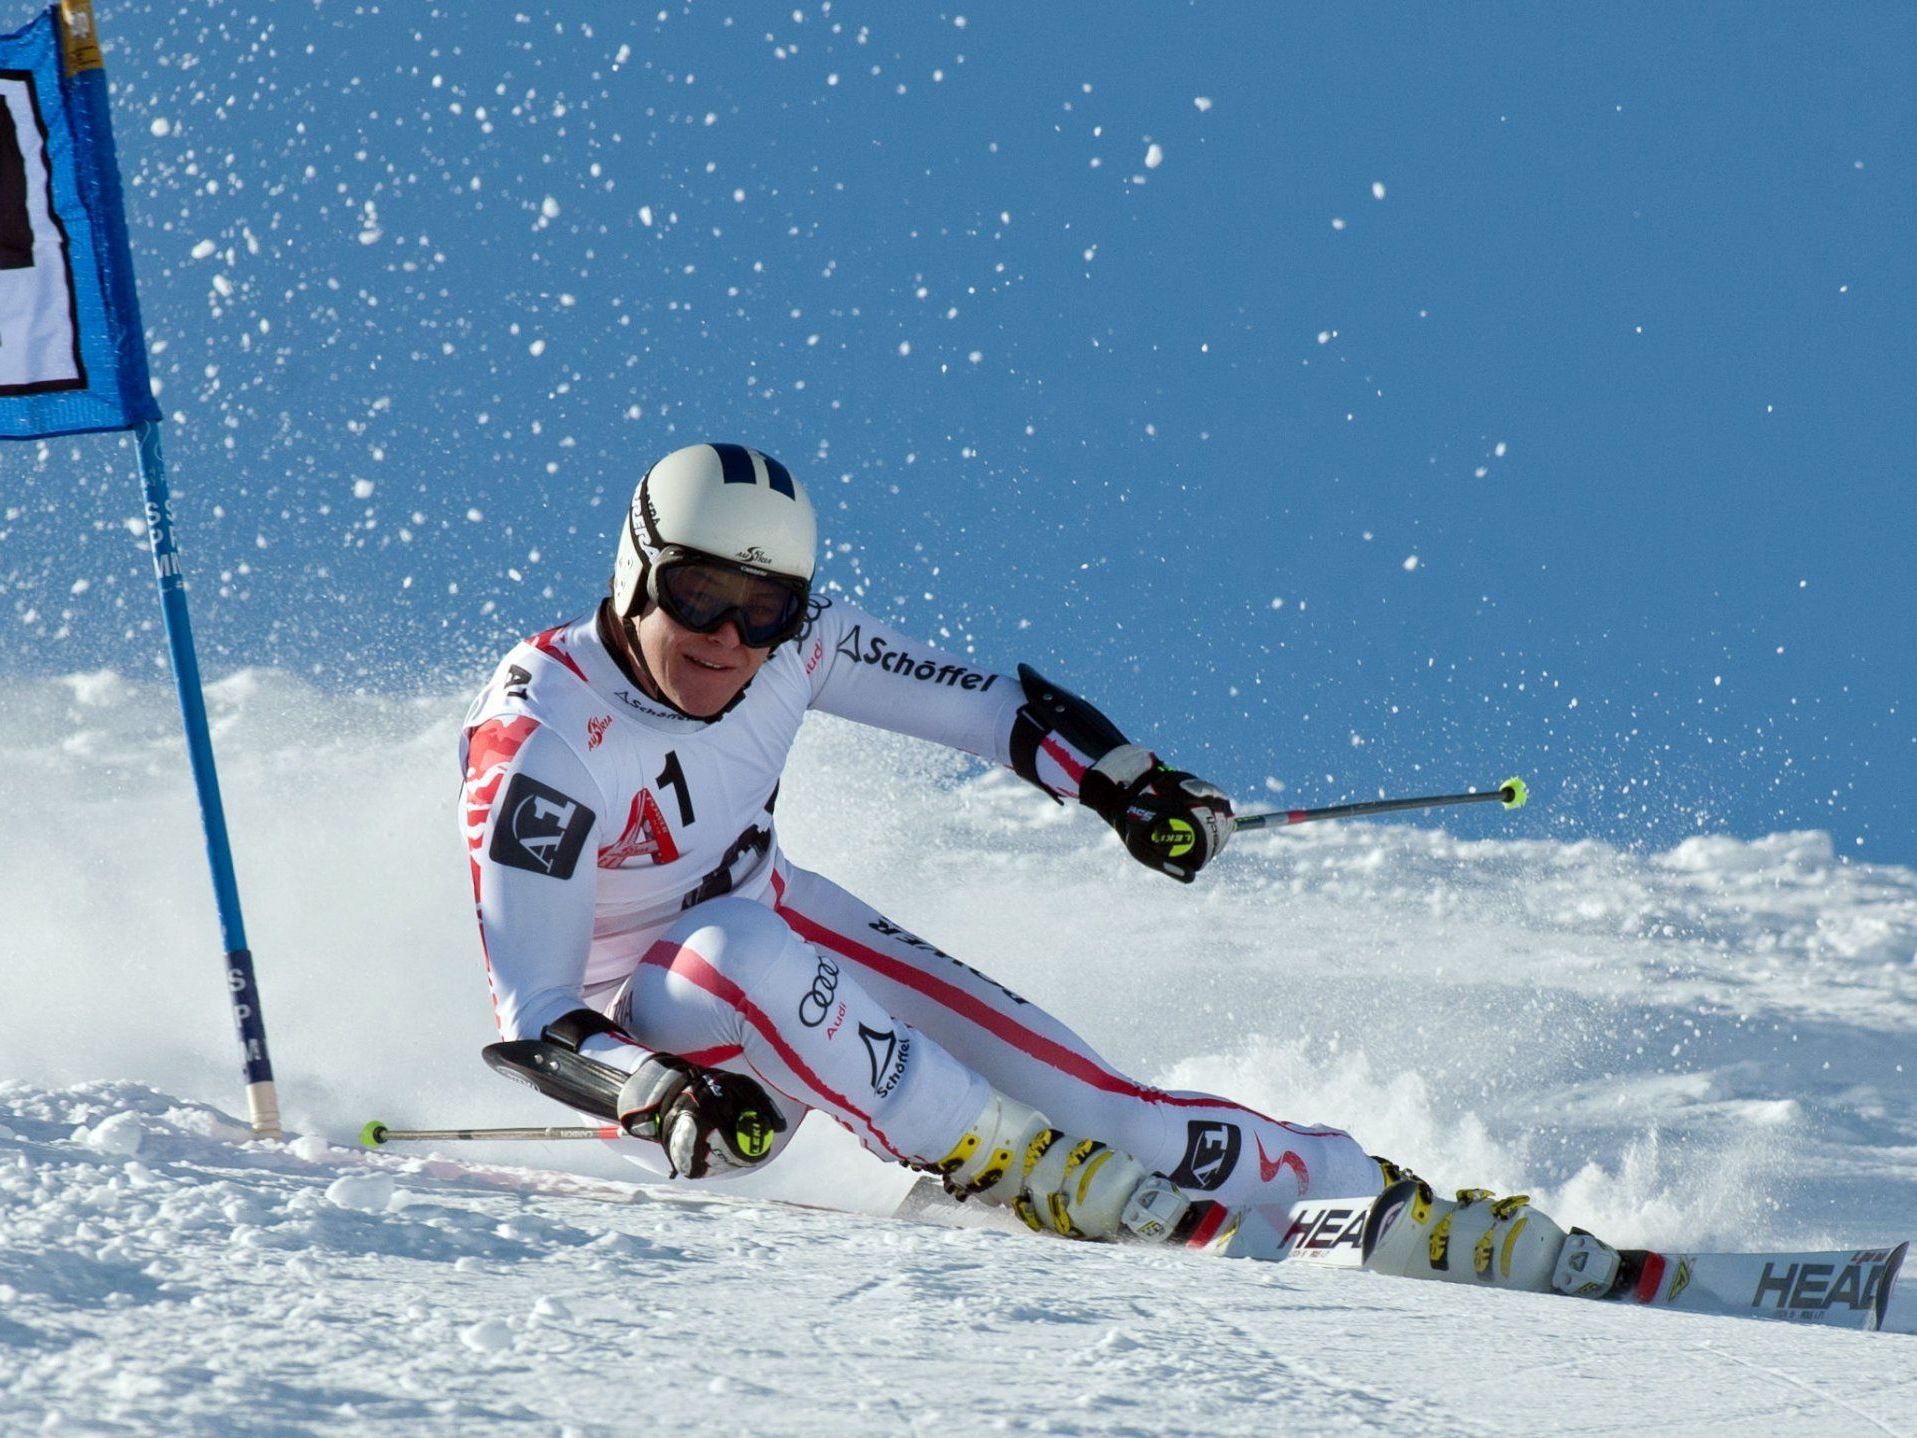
(1450, 393)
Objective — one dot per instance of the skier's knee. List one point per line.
(736, 937)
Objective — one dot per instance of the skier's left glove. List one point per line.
(707, 1120)
(1170, 820)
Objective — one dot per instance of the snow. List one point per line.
(1708, 1045)
(119, 1136)
(362, 1192)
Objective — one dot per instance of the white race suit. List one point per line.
(625, 859)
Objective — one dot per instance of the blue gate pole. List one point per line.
(261, 1100)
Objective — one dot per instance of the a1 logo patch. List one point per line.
(1211, 1153)
(539, 829)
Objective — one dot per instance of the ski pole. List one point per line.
(375, 1133)
(1511, 793)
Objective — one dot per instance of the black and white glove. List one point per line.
(1170, 820)
(707, 1120)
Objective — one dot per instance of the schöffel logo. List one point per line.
(643, 705)
(877, 650)
(817, 1002)
(887, 1052)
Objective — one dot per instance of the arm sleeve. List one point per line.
(531, 815)
(868, 672)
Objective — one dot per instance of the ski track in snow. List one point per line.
(1706, 1046)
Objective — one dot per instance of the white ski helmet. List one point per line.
(735, 504)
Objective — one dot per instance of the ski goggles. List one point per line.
(701, 593)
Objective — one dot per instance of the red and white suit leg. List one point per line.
(730, 986)
(1208, 1145)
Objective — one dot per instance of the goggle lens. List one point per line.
(702, 596)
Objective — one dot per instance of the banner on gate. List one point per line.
(72, 350)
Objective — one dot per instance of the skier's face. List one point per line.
(701, 673)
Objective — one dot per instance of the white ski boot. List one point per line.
(1057, 1183)
(1479, 1238)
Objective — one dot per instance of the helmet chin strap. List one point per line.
(622, 642)
(615, 630)
(647, 679)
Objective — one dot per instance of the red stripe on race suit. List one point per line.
(547, 643)
(1002, 1026)
(480, 796)
(489, 748)
(1208, 1227)
(496, 741)
(712, 1058)
(693, 966)
(1064, 758)
(1650, 1278)
(486, 954)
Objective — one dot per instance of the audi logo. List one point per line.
(818, 999)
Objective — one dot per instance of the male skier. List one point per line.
(621, 772)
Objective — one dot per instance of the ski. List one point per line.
(1856, 1289)
(1844, 1288)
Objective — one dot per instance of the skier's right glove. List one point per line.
(707, 1120)
(1170, 820)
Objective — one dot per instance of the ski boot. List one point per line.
(1391, 1172)
(1479, 1238)
(1057, 1183)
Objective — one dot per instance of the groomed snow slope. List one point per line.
(1709, 1047)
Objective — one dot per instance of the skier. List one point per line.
(621, 772)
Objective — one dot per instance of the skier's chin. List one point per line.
(700, 674)
(701, 689)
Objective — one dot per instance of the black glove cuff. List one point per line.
(573, 1028)
(1048, 710)
(1106, 797)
